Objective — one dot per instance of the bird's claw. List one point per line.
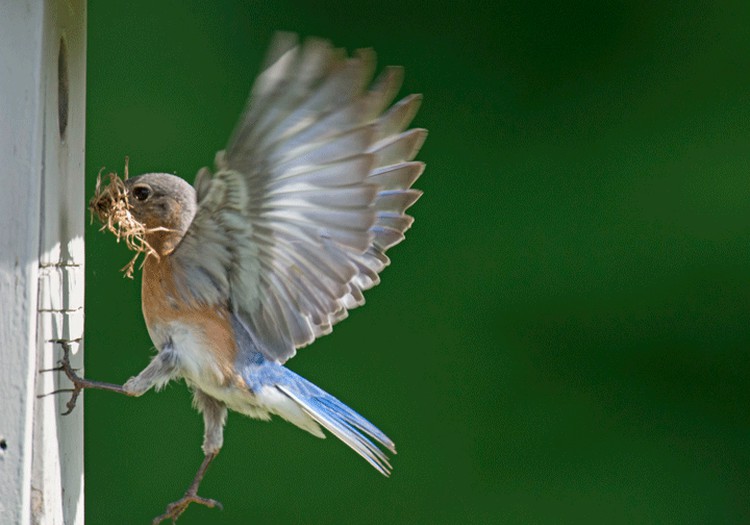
(64, 366)
(175, 509)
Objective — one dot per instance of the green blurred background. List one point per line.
(564, 336)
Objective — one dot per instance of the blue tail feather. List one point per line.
(319, 406)
(341, 421)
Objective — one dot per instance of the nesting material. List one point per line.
(111, 206)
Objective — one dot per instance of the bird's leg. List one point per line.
(214, 417)
(161, 369)
(79, 383)
(175, 509)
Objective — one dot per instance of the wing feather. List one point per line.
(309, 194)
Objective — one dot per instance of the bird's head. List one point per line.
(160, 200)
(150, 212)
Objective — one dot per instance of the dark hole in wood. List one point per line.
(62, 88)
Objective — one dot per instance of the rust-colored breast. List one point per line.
(164, 310)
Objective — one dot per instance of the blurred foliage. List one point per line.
(564, 336)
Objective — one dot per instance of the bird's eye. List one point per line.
(141, 193)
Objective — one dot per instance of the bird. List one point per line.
(269, 250)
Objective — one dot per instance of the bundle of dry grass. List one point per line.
(111, 206)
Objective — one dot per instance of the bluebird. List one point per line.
(266, 254)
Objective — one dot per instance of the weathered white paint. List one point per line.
(41, 257)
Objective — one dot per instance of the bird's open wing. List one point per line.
(309, 194)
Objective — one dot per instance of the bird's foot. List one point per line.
(79, 383)
(175, 509)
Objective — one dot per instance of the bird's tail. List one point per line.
(341, 421)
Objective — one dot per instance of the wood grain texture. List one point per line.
(42, 81)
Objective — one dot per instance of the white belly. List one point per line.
(199, 366)
(201, 369)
